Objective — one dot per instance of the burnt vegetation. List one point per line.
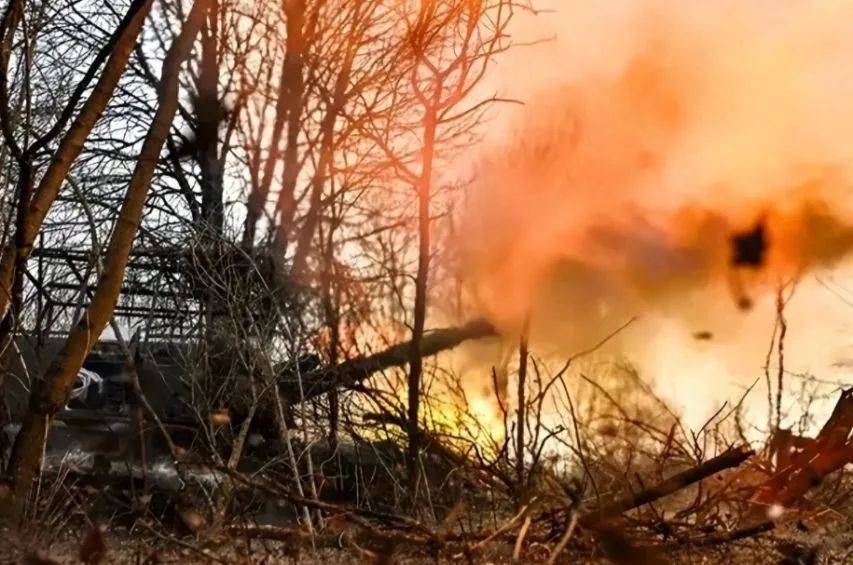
(225, 285)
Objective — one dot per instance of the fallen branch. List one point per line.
(730, 458)
(718, 538)
(564, 540)
(505, 527)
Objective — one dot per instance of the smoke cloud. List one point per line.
(691, 157)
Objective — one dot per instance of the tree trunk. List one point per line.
(25, 193)
(288, 111)
(522, 406)
(324, 164)
(51, 394)
(331, 291)
(285, 208)
(8, 27)
(210, 114)
(416, 355)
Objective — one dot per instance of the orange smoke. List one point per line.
(623, 189)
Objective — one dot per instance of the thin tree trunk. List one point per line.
(306, 234)
(257, 199)
(210, 115)
(25, 193)
(416, 355)
(327, 128)
(522, 406)
(12, 17)
(12, 290)
(285, 209)
(289, 111)
(51, 394)
(8, 27)
(331, 310)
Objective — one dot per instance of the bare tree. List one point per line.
(52, 393)
(34, 202)
(450, 45)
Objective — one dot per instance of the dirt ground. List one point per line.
(769, 549)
